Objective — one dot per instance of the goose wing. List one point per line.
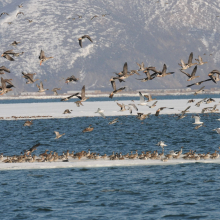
(190, 58)
(194, 71)
(42, 55)
(83, 92)
(125, 69)
(113, 85)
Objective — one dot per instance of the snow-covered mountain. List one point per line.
(153, 32)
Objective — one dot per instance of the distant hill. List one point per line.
(152, 32)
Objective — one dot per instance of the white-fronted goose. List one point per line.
(69, 97)
(58, 135)
(41, 87)
(29, 77)
(88, 129)
(15, 43)
(199, 91)
(200, 61)
(192, 75)
(164, 72)
(81, 38)
(82, 98)
(114, 88)
(54, 90)
(43, 58)
(3, 68)
(67, 111)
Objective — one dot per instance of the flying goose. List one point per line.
(190, 60)
(95, 16)
(15, 43)
(199, 83)
(197, 120)
(199, 102)
(71, 78)
(54, 90)
(164, 72)
(141, 66)
(149, 97)
(58, 135)
(69, 97)
(200, 61)
(113, 121)
(20, 6)
(199, 91)
(217, 130)
(149, 76)
(153, 105)
(4, 89)
(192, 76)
(200, 125)
(8, 57)
(142, 116)
(3, 68)
(29, 77)
(213, 78)
(100, 112)
(191, 100)
(43, 58)
(41, 87)
(3, 13)
(122, 106)
(82, 98)
(67, 111)
(81, 38)
(114, 87)
(19, 13)
(183, 65)
(160, 109)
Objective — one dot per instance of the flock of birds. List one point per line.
(151, 74)
(69, 157)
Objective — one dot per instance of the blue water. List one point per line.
(95, 99)
(189, 191)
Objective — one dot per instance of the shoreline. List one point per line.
(101, 95)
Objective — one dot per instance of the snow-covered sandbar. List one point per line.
(55, 110)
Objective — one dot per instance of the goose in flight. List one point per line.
(198, 83)
(114, 87)
(82, 98)
(4, 88)
(29, 77)
(141, 66)
(212, 77)
(149, 76)
(160, 109)
(190, 63)
(43, 58)
(122, 106)
(81, 38)
(100, 112)
(15, 43)
(3, 68)
(200, 61)
(199, 102)
(8, 57)
(153, 105)
(71, 78)
(197, 120)
(69, 97)
(113, 121)
(41, 87)
(54, 90)
(199, 91)
(200, 125)
(142, 116)
(164, 72)
(149, 97)
(19, 13)
(67, 111)
(58, 135)
(183, 65)
(192, 75)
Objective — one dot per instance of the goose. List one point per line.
(190, 60)
(3, 68)
(198, 126)
(113, 121)
(149, 97)
(153, 105)
(142, 116)
(114, 87)
(164, 72)
(29, 77)
(6, 56)
(197, 120)
(81, 38)
(58, 135)
(141, 66)
(212, 77)
(122, 106)
(19, 13)
(67, 111)
(100, 112)
(199, 83)
(4, 88)
(54, 90)
(69, 97)
(200, 61)
(28, 123)
(88, 129)
(41, 87)
(199, 91)
(43, 58)
(149, 76)
(15, 43)
(217, 130)
(183, 65)
(160, 109)
(71, 78)
(192, 76)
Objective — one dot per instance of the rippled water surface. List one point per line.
(189, 191)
